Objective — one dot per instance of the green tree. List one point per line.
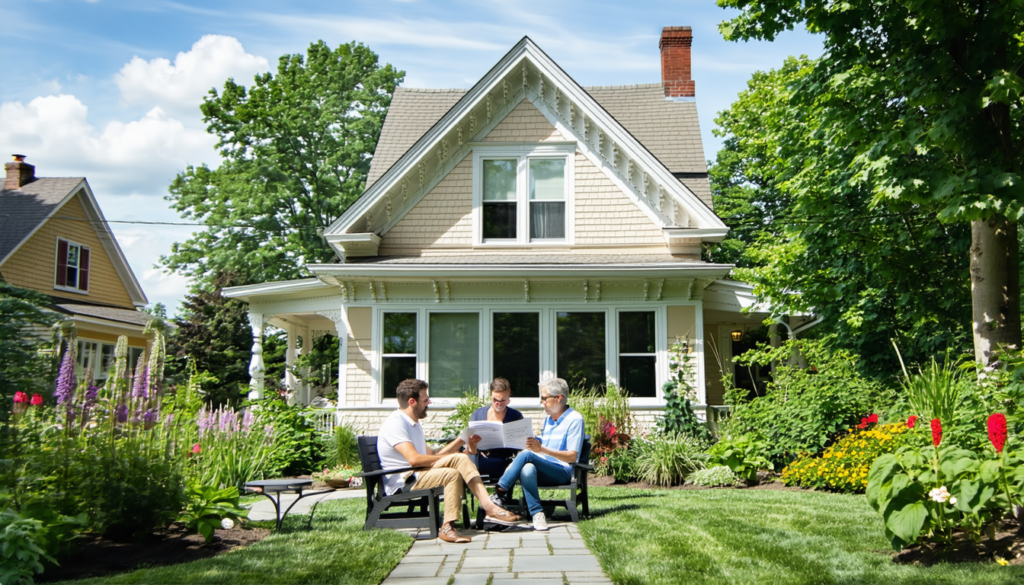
(296, 149)
(926, 97)
(809, 237)
(24, 328)
(213, 331)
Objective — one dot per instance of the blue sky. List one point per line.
(110, 89)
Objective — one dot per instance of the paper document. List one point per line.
(496, 435)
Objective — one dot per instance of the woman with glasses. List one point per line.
(494, 461)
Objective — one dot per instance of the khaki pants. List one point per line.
(453, 472)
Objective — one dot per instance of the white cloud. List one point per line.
(136, 156)
(179, 87)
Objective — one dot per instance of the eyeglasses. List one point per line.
(544, 398)
(500, 400)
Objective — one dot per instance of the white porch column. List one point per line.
(256, 368)
(289, 359)
(341, 325)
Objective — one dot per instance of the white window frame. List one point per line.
(527, 397)
(383, 355)
(95, 349)
(523, 154)
(655, 354)
(78, 274)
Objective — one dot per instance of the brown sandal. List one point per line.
(449, 534)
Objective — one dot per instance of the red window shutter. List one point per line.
(62, 263)
(83, 269)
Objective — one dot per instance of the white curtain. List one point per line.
(547, 198)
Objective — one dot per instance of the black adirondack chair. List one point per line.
(422, 508)
(577, 488)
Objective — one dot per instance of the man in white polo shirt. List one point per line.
(548, 461)
(401, 443)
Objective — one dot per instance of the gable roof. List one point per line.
(23, 211)
(526, 73)
(669, 129)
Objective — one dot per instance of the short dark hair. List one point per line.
(409, 389)
(501, 385)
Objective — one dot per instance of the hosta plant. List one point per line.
(744, 455)
(210, 508)
(717, 476)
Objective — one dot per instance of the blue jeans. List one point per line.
(532, 470)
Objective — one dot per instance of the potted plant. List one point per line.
(338, 477)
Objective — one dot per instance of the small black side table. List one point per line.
(274, 488)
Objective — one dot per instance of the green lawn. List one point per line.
(648, 537)
(335, 550)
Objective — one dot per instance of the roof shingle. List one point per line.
(22, 210)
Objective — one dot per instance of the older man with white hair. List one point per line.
(549, 460)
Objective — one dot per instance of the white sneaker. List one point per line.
(540, 522)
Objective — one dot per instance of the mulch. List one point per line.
(99, 556)
(1008, 545)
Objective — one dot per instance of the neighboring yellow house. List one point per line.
(55, 241)
(526, 228)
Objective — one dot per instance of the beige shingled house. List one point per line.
(525, 228)
(55, 241)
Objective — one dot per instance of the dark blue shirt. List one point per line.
(492, 459)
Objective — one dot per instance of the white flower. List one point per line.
(939, 494)
(952, 501)
(227, 524)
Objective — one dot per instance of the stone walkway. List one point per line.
(518, 556)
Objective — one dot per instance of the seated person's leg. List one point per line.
(537, 473)
(460, 463)
(452, 482)
(508, 479)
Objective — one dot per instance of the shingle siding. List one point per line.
(442, 219)
(605, 216)
(525, 123)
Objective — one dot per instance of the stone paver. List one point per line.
(518, 556)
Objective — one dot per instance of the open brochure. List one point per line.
(496, 435)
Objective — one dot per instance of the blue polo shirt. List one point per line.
(564, 434)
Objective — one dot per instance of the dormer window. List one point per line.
(522, 195)
(72, 266)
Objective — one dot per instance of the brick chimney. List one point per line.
(675, 61)
(19, 173)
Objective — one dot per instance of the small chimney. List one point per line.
(19, 173)
(675, 61)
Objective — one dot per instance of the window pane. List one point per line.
(547, 179)
(73, 255)
(517, 351)
(581, 349)
(454, 361)
(499, 220)
(500, 180)
(636, 332)
(637, 377)
(396, 369)
(107, 361)
(400, 333)
(547, 220)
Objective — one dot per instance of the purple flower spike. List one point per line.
(149, 416)
(139, 388)
(66, 380)
(121, 412)
(91, 393)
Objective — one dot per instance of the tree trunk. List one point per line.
(995, 286)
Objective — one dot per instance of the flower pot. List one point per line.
(337, 483)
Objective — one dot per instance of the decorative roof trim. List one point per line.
(519, 270)
(523, 53)
(235, 292)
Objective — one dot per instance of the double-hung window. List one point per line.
(398, 360)
(522, 195)
(72, 266)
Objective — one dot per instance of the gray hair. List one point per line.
(557, 387)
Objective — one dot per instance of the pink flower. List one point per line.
(37, 400)
(196, 449)
(911, 421)
(20, 397)
(873, 418)
(997, 431)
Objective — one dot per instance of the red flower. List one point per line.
(911, 421)
(936, 432)
(37, 400)
(196, 449)
(873, 418)
(863, 424)
(996, 424)
(20, 397)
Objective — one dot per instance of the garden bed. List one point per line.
(101, 556)
(609, 481)
(1007, 546)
